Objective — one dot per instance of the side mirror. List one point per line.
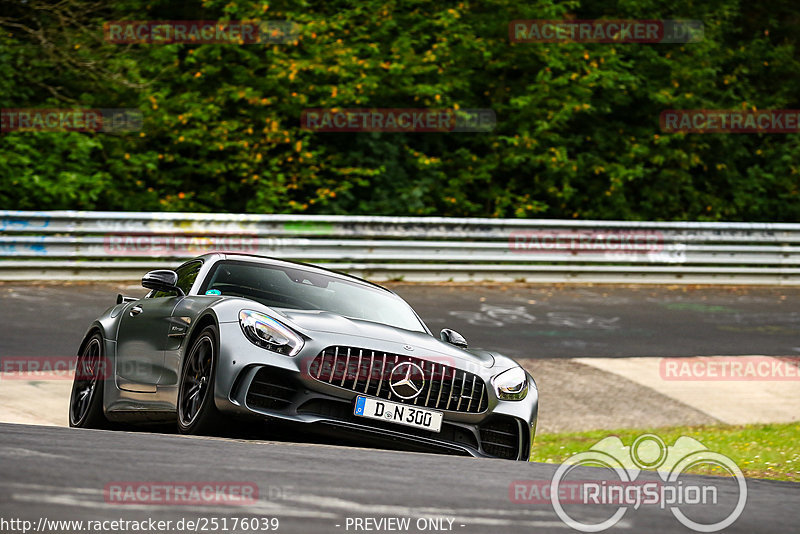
(452, 337)
(162, 280)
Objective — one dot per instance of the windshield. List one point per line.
(281, 286)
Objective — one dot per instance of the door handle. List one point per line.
(136, 310)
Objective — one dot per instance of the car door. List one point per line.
(144, 330)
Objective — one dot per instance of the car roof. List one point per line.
(268, 260)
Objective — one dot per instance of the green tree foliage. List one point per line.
(577, 135)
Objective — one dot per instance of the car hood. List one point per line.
(328, 322)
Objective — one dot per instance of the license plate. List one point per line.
(395, 412)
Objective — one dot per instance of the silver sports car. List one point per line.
(232, 336)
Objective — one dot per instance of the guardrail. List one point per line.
(73, 245)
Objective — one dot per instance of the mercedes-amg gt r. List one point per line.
(235, 336)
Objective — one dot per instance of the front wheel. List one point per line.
(86, 400)
(197, 413)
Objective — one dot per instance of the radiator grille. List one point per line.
(369, 372)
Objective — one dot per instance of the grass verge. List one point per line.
(769, 451)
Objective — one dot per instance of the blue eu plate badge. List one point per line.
(360, 405)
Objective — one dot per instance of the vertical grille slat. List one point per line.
(452, 387)
(472, 393)
(429, 383)
(358, 369)
(445, 388)
(421, 396)
(321, 365)
(441, 385)
(369, 376)
(383, 368)
(396, 358)
(335, 364)
(346, 367)
(461, 394)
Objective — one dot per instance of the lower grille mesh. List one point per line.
(270, 390)
(500, 437)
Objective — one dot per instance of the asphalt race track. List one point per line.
(60, 473)
(575, 321)
(522, 322)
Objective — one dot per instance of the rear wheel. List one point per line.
(86, 400)
(197, 413)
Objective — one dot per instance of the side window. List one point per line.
(186, 276)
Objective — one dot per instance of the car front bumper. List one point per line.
(255, 382)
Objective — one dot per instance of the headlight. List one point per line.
(511, 384)
(268, 333)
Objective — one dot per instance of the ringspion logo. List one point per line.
(586, 491)
(721, 500)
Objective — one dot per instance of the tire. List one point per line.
(197, 413)
(86, 399)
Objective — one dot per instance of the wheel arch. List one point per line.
(106, 382)
(208, 318)
(94, 328)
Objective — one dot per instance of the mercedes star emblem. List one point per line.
(407, 380)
